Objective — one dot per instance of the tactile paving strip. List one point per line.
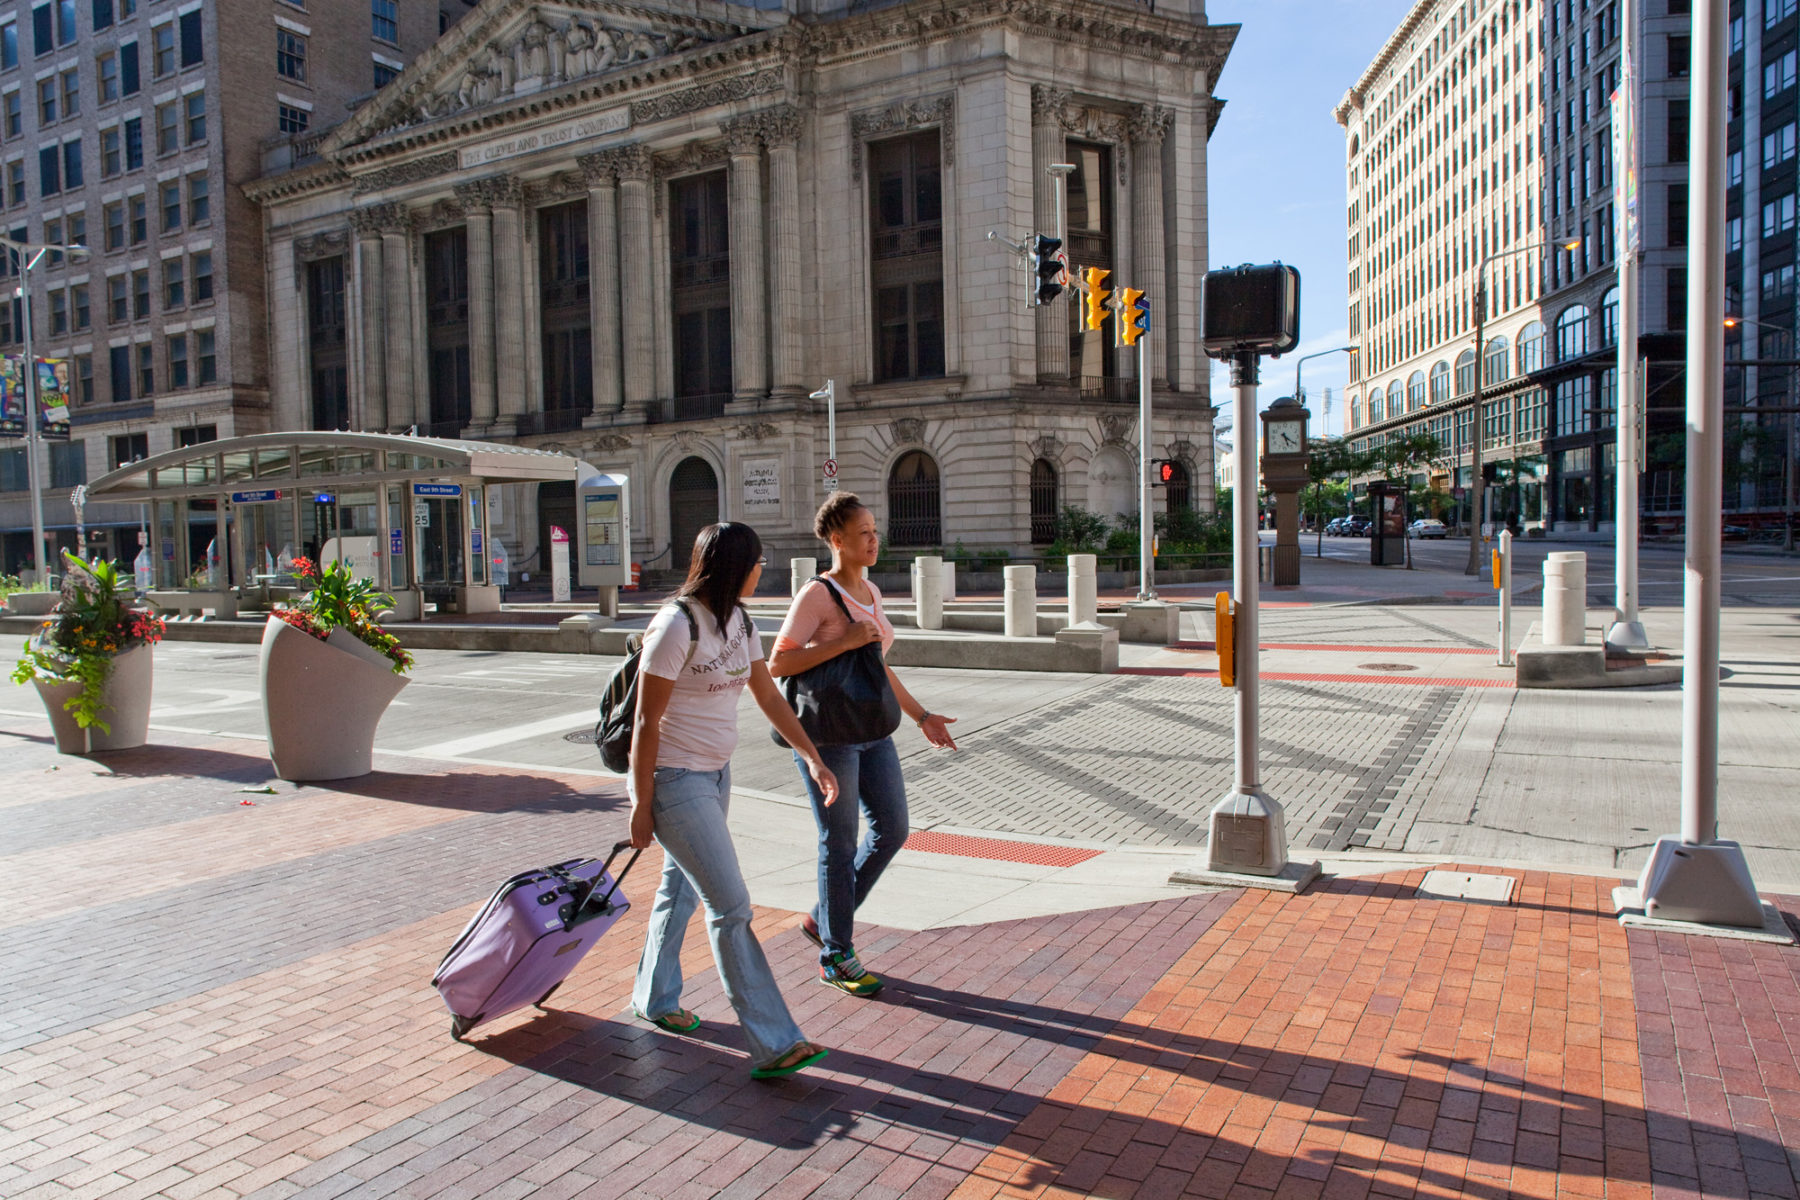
(998, 849)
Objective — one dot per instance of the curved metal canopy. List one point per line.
(325, 459)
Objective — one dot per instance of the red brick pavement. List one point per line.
(1354, 1041)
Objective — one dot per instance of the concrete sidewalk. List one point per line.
(214, 989)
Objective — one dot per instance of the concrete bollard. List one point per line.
(1565, 599)
(1084, 589)
(1021, 602)
(799, 571)
(928, 591)
(949, 581)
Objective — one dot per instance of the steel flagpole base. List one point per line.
(1705, 885)
(1627, 635)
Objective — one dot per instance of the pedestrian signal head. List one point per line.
(1165, 470)
(1097, 295)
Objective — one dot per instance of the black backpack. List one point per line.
(618, 702)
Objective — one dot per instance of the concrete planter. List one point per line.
(124, 706)
(32, 604)
(322, 701)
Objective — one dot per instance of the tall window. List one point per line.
(447, 315)
(325, 340)
(907, 226)
(1415, 391)
(700, 287)
(290, 55)
(1572, 333)
(1531, 348)
(913, 506)
(1465, 372)
(1092, 359)
(1499, 361)
(385, 16)
(1043, 502)
(568, 340)
(162, 50)
(1440, 382)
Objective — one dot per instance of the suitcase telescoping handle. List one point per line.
(618, 848)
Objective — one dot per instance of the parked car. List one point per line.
(1427, 527)
(1356, 527)
(1736, 533)
(1335, 526)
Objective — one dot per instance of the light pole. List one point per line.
(1480, 306)
(34, 477)
(1300, 398)
(1787, 457)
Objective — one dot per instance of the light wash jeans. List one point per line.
(868, 775)
(700, 866)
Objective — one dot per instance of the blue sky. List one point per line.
(1275, 175)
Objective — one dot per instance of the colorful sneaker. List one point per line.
(810, 928)
(845, 973)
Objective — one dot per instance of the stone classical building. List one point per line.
(646, 233)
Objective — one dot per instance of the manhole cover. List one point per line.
(1464, 885)
(1387, 667)
(581, 737)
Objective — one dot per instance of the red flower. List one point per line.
(306, 568)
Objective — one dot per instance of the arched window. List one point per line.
(1043, 502)
(1415, 392)
(913, 509)
(1531, 348)
(1465, 372)
(1609, 318)
(1499, 359)
(1180, 495)
(693, 505)
(1440, 382)
(1396, 400)
(1355, 412)
(1572, 333)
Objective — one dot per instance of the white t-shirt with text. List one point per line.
(699, 728)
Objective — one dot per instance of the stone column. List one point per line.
(749, 294)
(603, 284)
(1047, 147)
(372, 377)
(1148, 129)
(476, 199)
(397, 316)
(636, 279)
(782, 129)
(507, 200)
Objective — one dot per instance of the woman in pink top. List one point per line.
(819, 627)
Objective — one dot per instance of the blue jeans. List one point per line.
(700, 866)
(868, 775)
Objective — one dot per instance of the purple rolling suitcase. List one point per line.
(528, 937)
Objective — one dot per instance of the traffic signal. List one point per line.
(1097, 295)
(1134, 315)
(1046, 269)
(1162, 471)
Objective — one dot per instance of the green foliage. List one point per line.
(12, 583)
(1079, 531)
(340, 600)
(93, 623)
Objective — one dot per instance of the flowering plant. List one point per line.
(340, 600)
(91, 625)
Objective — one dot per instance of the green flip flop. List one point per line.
(776, 1072)
(671, 1022)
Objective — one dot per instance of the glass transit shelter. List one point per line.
(411, 513)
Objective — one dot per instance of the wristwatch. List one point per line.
(923, 717)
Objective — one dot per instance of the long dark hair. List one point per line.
(724, 556)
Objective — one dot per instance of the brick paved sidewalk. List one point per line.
(208, 998)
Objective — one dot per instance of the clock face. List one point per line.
(1284, 437)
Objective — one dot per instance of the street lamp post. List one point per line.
(1476, 431)
(34, 477)
(1300, 398)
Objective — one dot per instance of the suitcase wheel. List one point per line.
(460, 1026)
(548, 994)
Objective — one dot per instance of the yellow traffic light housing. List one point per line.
(1134, 315)
(1097, 295)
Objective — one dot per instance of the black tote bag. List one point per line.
(843, 700)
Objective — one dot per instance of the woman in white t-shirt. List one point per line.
(700, 652)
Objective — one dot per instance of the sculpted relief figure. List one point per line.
(635, 45)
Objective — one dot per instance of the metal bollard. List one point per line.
(1503, 584)
(799, 571)
(928, 591)
(1565, 599)
(1021, 602)
(1084, 589)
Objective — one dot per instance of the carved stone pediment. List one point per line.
(612, 442)
(512, 50)
(1115, 427)
(1046, 447)
(901, 118)
(757, 432)
(321, 245)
